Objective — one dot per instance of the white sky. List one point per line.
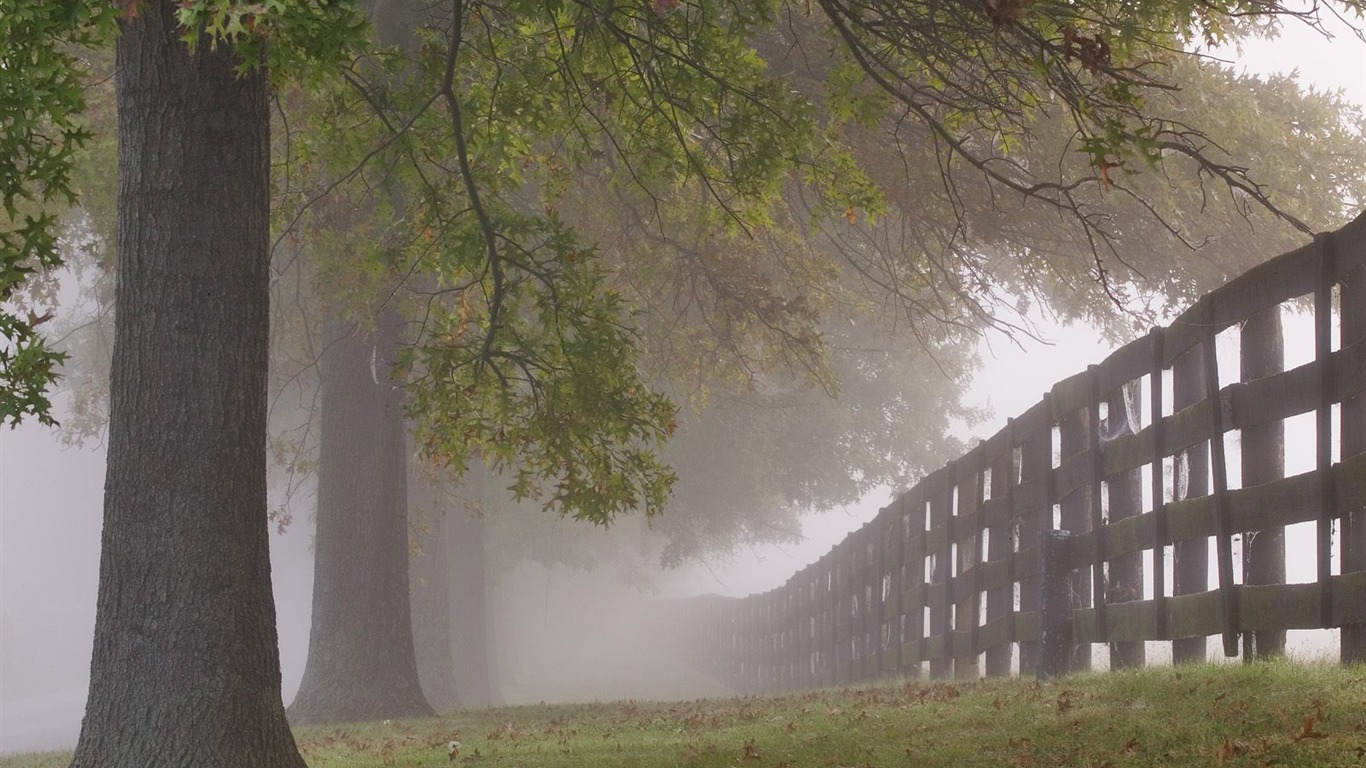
(50, 502)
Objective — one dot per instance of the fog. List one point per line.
(560, 635)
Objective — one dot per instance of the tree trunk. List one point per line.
(185, 668)
(430, 584)
(474, 664)
(361, 664)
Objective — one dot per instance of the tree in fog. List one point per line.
(361, 664)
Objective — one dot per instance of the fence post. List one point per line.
(1262, 342)
(941, 518)
(825, 634)
(1352, 416)
(1075, 508)
(1157, 485)
(1190, 566)
(887, 522)
(913, 508)
(967, 531)
(1124, 492)
(1036, 466)
(1001, 601)
(1228, 590)
(1055, 605)
(1323, 425)
(901, 532)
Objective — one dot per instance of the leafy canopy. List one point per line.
(42, 97)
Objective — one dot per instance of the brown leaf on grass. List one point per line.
(1307, 730)
(1230, 749)
(751, 752)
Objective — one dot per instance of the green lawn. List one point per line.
(1279, 714)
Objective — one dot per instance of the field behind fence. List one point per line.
(1089, 518)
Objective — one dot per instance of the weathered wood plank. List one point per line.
(1128, 363)
(1280, 502)
(1268, 607)
(1071, 394)
(996, 633)
(1273, 282)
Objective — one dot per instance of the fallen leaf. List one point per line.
(1307, 730)
(1231, 748)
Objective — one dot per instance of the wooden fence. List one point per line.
(948, 575)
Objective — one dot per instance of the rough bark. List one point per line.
(185, 668)
(361, 664)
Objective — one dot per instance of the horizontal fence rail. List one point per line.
(1104, 500)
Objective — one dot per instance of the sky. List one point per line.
(50, 502)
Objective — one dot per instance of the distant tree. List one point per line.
(361, 664)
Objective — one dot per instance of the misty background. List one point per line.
(558, 634)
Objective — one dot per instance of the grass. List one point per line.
(1280, 714)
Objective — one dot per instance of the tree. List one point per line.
(450, 581)
(185, 666)
(361, 664)
(361, 661)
